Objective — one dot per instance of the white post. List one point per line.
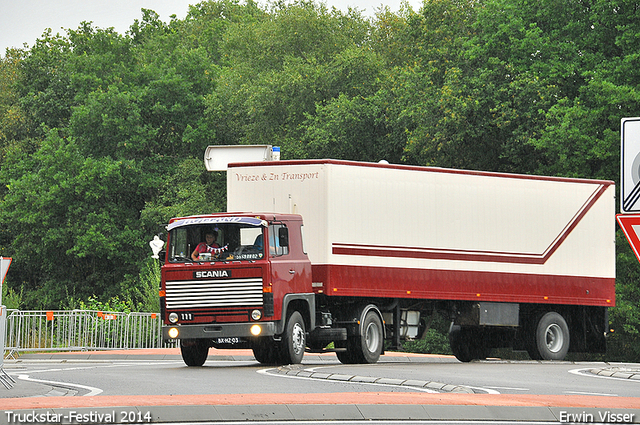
(5, 379)
(3, 329)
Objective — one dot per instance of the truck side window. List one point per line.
(274, 246)
(179, 245)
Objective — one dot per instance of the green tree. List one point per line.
(277, 70)
(12, 119)
(173, 75)
(126, 112)
(190, 190)
(73, 221)
(434, 103)
(581, 137)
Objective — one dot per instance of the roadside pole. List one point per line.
(5, 379)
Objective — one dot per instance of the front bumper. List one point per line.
(224, 330)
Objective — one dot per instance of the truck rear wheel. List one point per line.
(194, 351)
(366, 347)
(294, 340)
(372, 338)
(345, 357)
(552, 337)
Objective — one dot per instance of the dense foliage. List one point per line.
(102, 134)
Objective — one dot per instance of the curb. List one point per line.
(618, 372)
(430, 386)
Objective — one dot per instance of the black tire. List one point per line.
(371, 341)
(481, 346)
(293, 340)
(345, 356)
(552, 337)
(531, 346)
(366, 347)
(459, 344)
(194, 351)
(533, 352)
(468, 344)
(266, 351)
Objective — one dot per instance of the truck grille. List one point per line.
(214, 293)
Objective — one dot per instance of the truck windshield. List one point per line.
(219, 242)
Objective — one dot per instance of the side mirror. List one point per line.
(283, 237)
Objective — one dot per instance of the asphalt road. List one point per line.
(233, 386)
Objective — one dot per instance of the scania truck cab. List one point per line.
(250, 288)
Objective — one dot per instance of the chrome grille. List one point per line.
(214, 293)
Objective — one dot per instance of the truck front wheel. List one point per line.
(294, 340)
(552, 337)
(265, 350)
(194, 351)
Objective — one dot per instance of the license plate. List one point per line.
(233, 340)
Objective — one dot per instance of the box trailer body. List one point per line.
(513, 260)
(415, 232)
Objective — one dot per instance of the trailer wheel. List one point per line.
(532, 347)
(293, 340)
(459, 344)
(552, 337)
(194, 351)
(467, 344)
(265, 350)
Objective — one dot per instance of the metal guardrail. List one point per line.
(84, 330)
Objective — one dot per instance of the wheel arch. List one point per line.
(303, 303)
(363, 313)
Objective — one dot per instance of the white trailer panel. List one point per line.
(440, 220)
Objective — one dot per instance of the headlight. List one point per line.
(173, 317)
(256, 314)
(256, 330)
(173, 333)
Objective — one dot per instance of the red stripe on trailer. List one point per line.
(430, 284)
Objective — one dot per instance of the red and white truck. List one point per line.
(314, 252)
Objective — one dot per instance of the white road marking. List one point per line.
(92, 390)
(583, 393)
(510, 388)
